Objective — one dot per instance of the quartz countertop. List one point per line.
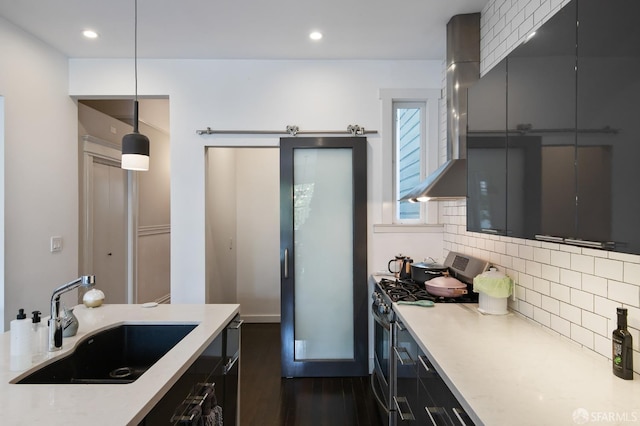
(112, 404)
(506, 370)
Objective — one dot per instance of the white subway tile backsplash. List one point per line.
(582, 263)
(551, 305)
(594, 284)
(612, 269)
(534, 298)
(525, 280)
(512, 249)
(542, 255)
(570, 249)
(519, 264)
(561, 325)
(534, 268)
(541, 286)
(582, 299)
(571, 278)
(560, 292)
(582, 335)
(551, 273)
(561, 259)
(629, 294)
(541, 316)
(631, 273)
(607, 308)
(595, 323)
(594, 252)
(525, 252)
(602, 345)
(570, 313)
(525, 308)
(625, 257)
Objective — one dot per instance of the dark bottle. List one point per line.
(622, 348)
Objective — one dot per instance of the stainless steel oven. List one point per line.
(384, 379)
(384, 365)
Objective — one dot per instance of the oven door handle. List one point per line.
(375, 393)
(379, 320)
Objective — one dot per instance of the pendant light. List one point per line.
(135, 146)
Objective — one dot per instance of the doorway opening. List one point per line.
(242, 229)
(136, 205)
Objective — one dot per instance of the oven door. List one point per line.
(380, 379)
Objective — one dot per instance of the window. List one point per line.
(409, 163)
(410, 129)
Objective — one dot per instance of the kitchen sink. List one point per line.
(118, 355)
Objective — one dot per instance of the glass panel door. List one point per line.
(324, 308)
(323, 241)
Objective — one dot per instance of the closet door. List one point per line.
(323, 231)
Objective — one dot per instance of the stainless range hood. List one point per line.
(449, 181)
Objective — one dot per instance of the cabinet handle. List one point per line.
(404, 415)
(549, 238)
(457, 411)
(437, 411)
(400, 326)
(591, 244)
(424, 363)
(235, 324)
(229, 365)
(286, 263)
(490, 231)
(403, 356)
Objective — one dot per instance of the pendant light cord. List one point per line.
(135, 66)
(135, 48)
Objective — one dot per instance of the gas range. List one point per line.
(410, 291)
(460, 266)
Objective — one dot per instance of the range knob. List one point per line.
(383, 308)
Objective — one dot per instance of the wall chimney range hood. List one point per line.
(449, 181)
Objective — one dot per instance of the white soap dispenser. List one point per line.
(20, 342)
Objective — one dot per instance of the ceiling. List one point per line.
(242, 29)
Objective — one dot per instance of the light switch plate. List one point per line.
(56, 244)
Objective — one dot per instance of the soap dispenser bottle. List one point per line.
(40, 336)
(622, 348)
(20, 350)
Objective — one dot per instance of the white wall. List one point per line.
(250, 95)
(568, 290)
(2, 213)
(40, 168)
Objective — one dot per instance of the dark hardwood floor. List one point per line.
(266, 399)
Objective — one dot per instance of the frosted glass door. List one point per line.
(323, 228)
(323, 241)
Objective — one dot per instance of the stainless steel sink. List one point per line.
(118, 355)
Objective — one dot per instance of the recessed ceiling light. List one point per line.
(315, 35)
(90, 34)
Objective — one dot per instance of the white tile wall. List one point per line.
(570, 290)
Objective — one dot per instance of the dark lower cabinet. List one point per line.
(422, 397)
(207, 393)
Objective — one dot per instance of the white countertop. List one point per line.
(506, 370)
(117, 404)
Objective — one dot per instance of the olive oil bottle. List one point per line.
(622, 348)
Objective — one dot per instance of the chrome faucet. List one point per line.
(55, 323)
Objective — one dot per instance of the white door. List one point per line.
(109, 230)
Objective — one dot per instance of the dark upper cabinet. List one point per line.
(571, 144)
(608, 90)
(487, 153)
(541, 120)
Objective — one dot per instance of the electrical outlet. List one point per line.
(56, 244)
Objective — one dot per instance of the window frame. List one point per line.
(432, 99)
